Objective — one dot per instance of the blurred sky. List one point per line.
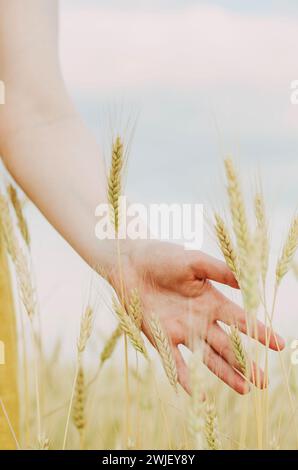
(203, 78)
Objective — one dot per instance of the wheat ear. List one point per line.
(114, 180)
(211, 432)
(135, 307)
(110, 345)
(7, 227)
(85, 329)
(165, 351)
(23, 272)
(129, 327)
(17, 205)
(78, 411)
(238, 349)
(226, 245)
(262, 225)
(237, 209)
(249, 279)
(288, 251)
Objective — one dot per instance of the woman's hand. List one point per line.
(176, 285)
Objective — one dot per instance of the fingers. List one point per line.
(221, 343)
(231, 314)
(207, 267)
(224, 371)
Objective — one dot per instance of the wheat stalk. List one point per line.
(226, 245)
(23, 272)
(237, 209)
(165, 351)
(288, 251)
(17, 205)
(210, 428)
(114, 180)
(135, 308)
(238, 349)
(110, 345)
(7, 227)
(85, 329)
(262, 226)
(249, 279)
(129, 328)
(78, 412)
(196, 408)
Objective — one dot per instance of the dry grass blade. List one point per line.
(238, 349)
(110, 345)
(129, 328)
(85, 329)
(78, 411)
(114, 180)
(288, 252)
(211, 434)
(237, 209)
(17, 205)
(262, 226)
(226, 245)
(165, 351)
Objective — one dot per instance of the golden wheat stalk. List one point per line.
(114, 180)
(237, 208)
(249, 279)
(110, 345)
(23, 271)
(165, 351)
(135, 307)
(196, 408)
(210, 428)
(288, 251)
(226, 245)
(25, 284)
(85, 329)
(262, 225)
(238, 349)
(17, 205)
(78, 411)
(129, 328)
(7, 227)
(9, 386)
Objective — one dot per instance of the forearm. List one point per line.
(43, 141)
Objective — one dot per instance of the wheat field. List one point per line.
(131, 398)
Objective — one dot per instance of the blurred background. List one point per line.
(202, 79)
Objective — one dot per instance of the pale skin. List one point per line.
(47, 148)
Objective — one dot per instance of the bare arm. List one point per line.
(47, 148)
(43, 141)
